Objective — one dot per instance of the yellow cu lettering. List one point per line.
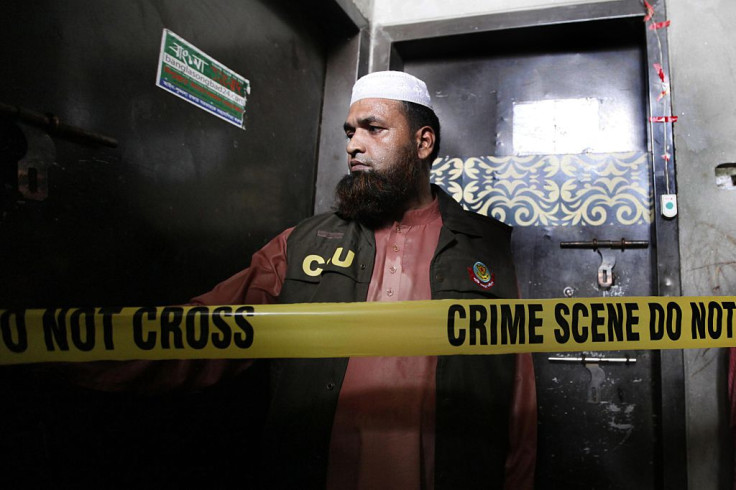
(308, 266)
(343, 263)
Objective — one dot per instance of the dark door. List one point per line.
(180, 204)
(545, 128)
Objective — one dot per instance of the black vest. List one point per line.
(331, 260)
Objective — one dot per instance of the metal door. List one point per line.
(178, 206)
(546, 129)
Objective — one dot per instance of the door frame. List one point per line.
(347, 60)
(385, 53)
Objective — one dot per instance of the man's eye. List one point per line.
(374, 129)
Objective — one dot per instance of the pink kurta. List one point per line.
(383, 434)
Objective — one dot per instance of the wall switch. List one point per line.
(669, 205)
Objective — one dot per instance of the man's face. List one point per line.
(376, 129)
(385, 169)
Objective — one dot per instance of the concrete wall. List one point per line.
(703, 77)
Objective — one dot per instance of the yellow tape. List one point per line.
(366, 329)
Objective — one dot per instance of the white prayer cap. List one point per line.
(395, 85)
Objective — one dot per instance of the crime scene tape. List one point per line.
(437, 327)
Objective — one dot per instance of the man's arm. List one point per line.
(260, 283)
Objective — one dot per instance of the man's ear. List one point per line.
(425, 142)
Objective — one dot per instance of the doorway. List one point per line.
(545, 128)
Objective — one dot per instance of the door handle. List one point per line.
(593, 360)
(597, 375)
(596, 244)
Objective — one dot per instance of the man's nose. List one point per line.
(355, 145)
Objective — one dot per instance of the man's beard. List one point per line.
(379, 198)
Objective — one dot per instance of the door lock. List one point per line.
(605, 270)
(608, 260)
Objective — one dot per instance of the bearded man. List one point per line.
(399, 422)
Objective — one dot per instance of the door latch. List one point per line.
(33, 167)
(608, 260)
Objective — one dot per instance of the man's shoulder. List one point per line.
(327, 224)
(455, 216)
(327, 218)
(483, 220)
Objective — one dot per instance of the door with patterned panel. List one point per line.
(545, 129)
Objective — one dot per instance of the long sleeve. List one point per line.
(260, 283)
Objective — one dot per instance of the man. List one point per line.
(408, 422)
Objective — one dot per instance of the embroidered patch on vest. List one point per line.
(481, 275)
